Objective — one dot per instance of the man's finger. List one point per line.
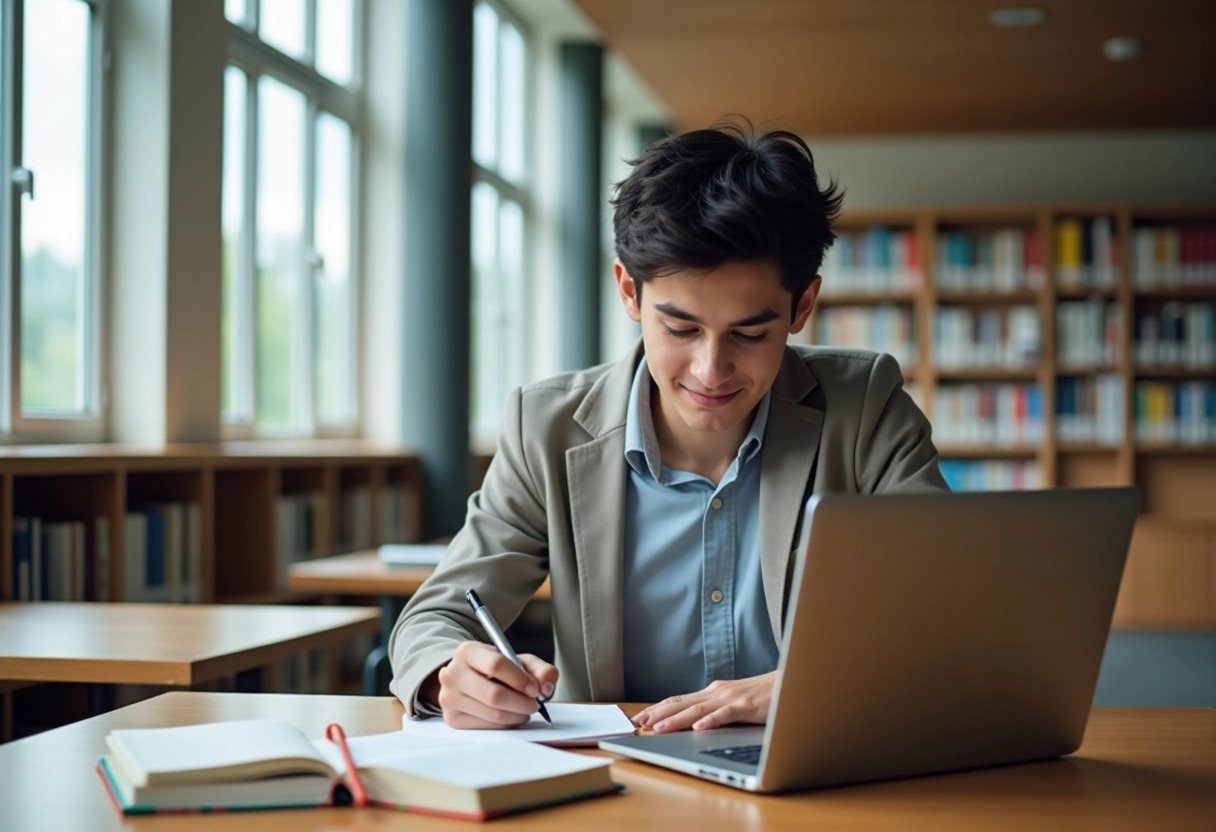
(545, 674)
(495, 665)
(659, 711)
(685, 718)
(463, 711)
(717, 719)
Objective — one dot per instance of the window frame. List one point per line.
(256, 58)
(92, 424)
(521, 193)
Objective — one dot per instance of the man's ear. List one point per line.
(805, 304)
(628, 290)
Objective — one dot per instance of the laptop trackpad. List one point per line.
(705, 747)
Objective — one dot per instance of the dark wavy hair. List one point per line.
(725, 194)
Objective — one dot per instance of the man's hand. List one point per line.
(737, 700)
(481, 688)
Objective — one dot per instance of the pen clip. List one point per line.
(336, 735)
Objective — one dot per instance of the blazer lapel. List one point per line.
(596, 475)
(791, 443)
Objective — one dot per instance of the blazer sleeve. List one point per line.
(895, 451)
(502, 552)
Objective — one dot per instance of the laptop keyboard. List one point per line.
(746, 754)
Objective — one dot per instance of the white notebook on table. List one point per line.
(573, 725)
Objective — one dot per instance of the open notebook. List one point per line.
(574, 723)
(261, 764)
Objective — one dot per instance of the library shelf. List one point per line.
(985, 296)
(988, 451)
(864, 298)
(214, 522)
(1086, 448)
(1133, 266)
(1200, 291)
(992, 374)
(1179, 449)
(1168, 372)
(1082, 293)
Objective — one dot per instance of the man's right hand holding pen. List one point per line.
(482, 688)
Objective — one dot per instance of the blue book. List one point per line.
(155, 575)
(23, 589)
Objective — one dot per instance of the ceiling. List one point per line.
(834, 67)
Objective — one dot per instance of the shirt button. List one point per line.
(716, 596)
(716, 503)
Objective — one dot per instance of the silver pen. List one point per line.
(500, 641)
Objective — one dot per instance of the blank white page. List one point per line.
(573, 724)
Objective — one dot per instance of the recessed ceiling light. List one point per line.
(1122, 49)
(1018, 16)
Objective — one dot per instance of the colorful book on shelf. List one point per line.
(262, 764)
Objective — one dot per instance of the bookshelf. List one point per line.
(213, 523)
(1058, 346)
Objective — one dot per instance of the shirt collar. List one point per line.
(642, 443)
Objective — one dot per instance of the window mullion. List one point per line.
(304, 343)
(90, 315)
(246, 359)
(253, 55)
(13, 100)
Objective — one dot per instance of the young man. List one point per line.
(661, 494)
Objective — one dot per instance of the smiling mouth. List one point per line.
(706, 400)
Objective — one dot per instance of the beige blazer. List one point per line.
(553, 499)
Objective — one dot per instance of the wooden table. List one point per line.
(1138, 769)
(363, 573)
(163, 644)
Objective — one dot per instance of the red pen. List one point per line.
(358, 794)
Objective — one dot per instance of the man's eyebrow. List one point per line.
(672, 311)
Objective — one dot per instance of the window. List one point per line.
(291, 156)
(51, 54)
(499, 214)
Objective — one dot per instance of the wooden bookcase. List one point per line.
(237, 489)
(1171, 574)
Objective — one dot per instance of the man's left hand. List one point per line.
(723, 702)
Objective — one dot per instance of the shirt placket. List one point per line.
(717, 590)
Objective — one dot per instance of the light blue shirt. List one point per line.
(694, 607)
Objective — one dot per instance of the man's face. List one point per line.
(714, 342)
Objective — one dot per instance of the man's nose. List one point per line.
(712, 365)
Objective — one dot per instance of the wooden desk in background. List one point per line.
(163, 644)
(1138, 769)
(363, 573)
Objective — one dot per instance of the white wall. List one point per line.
(382, 228)
(1034, 167)
(167, 77)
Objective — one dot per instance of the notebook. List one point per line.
(574, 724)
(925, 634)
(411, 554)
(262, 764)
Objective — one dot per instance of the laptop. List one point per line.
(926, 634)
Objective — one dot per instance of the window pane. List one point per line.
(282, 24)
(511, 296)
(513, 104)
(234, 326)
(485, 88)
(237, 11)
(486, 406)
(54, 250)
(280, 238)
(333, 355)
(335, 30)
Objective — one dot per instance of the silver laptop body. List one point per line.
(928, 633)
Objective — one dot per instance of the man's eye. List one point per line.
(751, 339)
(679, 333)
